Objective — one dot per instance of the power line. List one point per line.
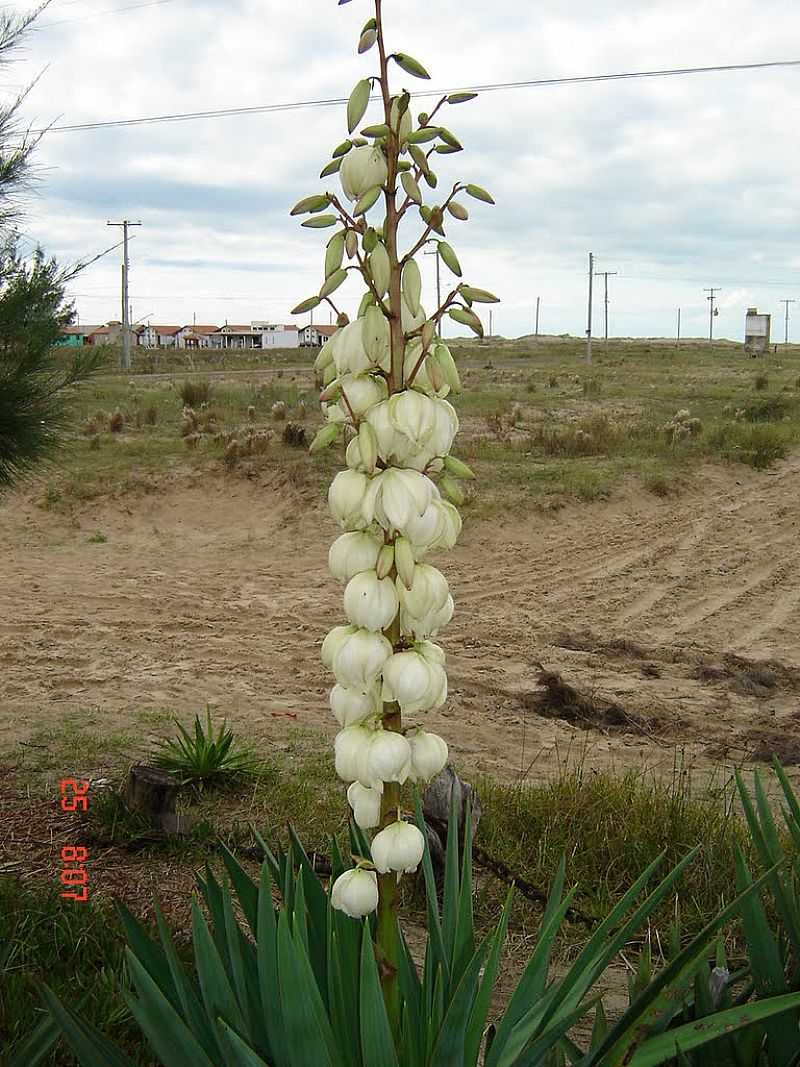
(103, 13)
(581, 79)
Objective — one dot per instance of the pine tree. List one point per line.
(35, 377)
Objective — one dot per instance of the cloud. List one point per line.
(676, 183)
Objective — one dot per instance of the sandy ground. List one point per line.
(215, 590)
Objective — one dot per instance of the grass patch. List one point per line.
(610, 828)
(758, 445)
(76, 949)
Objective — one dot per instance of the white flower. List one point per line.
(445, 427)
(428, 592)
(399, 847)
(360, 392)
(413, 415)
(352, 553)
(362, 168)
(359, 660)
(355, 893)
(415, 682)
(394, 497)
(422, 382)
(348, 349)
(375, 334)
(334, 641)
(388, 760)
(351, 747)
(427, 625)
(370, 601)
(353, 706)
(346, 498)
(393, 447)
(437, 527)
(428, 755)
(366, 805)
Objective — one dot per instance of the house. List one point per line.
(110, 334)
(276, 336)
(75, 336)
(159, 336)
(316, 336)
(195, 336)
(259, 334)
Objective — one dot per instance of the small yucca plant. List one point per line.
(203, 758)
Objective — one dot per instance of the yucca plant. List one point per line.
(770, 922)
(205, 758)
(298, 984)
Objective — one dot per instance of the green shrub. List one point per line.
(194, 393)
(756, 445)
(202, 759)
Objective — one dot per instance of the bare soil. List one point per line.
(681, 616)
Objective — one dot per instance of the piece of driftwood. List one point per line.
(436, 802)
(153, 793)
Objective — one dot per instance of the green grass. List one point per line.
(610, 828)
(76, 948)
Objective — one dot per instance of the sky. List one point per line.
(676, 184)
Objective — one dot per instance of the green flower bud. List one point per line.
(457, 468)
(325, 437)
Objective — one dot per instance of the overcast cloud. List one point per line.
(675, 183)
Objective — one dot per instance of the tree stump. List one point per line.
(152, 793)
(436, 808)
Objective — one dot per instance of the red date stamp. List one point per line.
(74, 797)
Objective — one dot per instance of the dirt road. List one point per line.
(216, 590)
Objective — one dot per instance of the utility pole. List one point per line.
(605, 274)
(536, 334)
(678, 334)
(490, 323)
(711, 310)
(126, 319)
(435, 252)
(786, 320)
(589, 325)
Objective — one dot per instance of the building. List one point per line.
(110, 334)
(258, 334)
(158, 336)
(75, 336)
(195, 336)
(756, 332)
(315, 336)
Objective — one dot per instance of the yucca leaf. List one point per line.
(90, 1047)
(236, 953)
(267, 964)
(218, 995)
(190, 1006)
(692, 1035)
(38, 1046)
(436, 947)
(150, 955)
(269, 858)
(377, 1043)
(308, 1033)
(450, 1047)
(240, 1053)
(246, 888)
(343, 996)
(465, 926)
(450, 892)
(170, 1037)
(476, 1023)
(412, 1050)
(660, 993)
(550, 1039)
